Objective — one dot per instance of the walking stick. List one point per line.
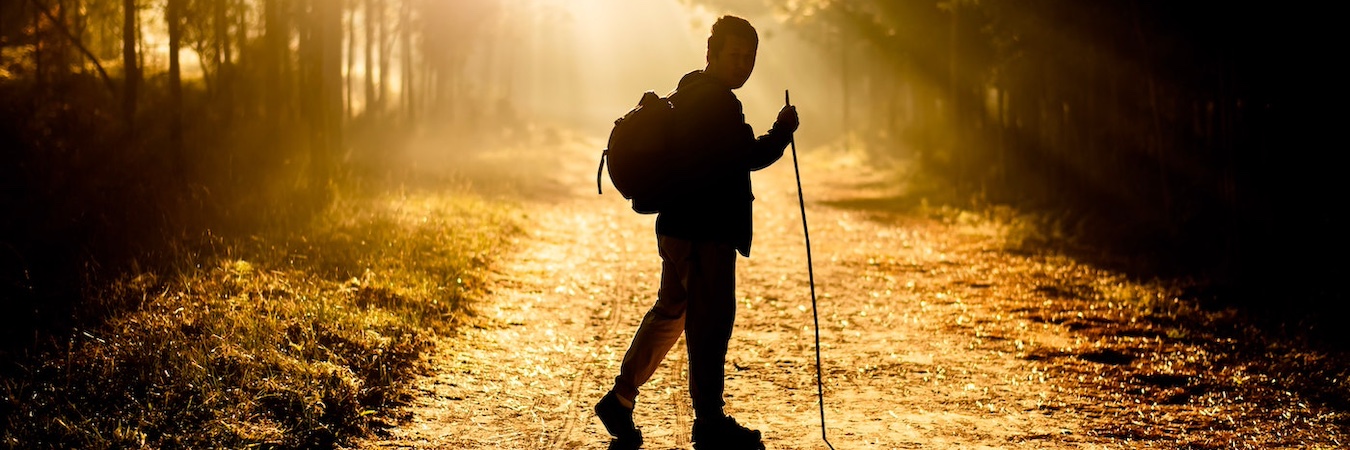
(811, 274)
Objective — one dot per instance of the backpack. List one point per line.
(640, 152)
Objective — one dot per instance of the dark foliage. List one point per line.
(1169, 139)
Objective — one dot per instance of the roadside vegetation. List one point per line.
(294, 338)
(206, 252)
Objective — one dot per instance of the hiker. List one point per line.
(699, 230)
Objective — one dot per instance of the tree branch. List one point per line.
(78, 45)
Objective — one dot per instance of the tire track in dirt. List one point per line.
(585, 362)
(612, 311)
(934, 334)
(563, 310)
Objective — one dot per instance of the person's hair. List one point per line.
(729, 25)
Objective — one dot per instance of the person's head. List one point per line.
(731, 50)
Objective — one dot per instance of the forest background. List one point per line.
(1174, 140)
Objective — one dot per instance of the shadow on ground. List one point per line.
(1206, 351)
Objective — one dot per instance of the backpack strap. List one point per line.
(600, 169)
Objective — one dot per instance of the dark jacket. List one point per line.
(718, 150)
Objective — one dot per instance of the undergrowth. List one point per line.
(285, 339)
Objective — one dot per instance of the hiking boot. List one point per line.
(618, 421)
(723, 433)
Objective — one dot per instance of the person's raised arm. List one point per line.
(769, 148)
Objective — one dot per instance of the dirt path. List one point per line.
(934, 336)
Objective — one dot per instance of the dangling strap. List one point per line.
(600, 169)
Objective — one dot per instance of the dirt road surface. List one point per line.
(936, 333)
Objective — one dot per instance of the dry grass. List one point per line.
(288, 340)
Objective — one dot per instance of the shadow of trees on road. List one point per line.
(1201, 356)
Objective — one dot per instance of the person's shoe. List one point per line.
(723, 433)
(618, 421)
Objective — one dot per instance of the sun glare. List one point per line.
(596, 57)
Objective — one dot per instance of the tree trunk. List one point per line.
(39, 63)
(844, 85)
(58, 64)
(171, 15)
(223, 71)
(1002, 169)
(330, 102)
(351, 61)
(59, 50)
(222, 39)
(75, 25)
(382, 30)
(406, 84)
(130, 71)
(369, 76)
(242, 26)
(1155, 133)
(321, 71)
(275, 44)
(954, 113)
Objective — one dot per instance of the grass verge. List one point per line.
(294, 338)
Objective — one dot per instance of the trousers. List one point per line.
(697, 297)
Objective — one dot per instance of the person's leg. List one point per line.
(659, 331)
(708, 326)
(711, 316)
(662, 325)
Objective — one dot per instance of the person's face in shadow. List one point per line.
(733, 62)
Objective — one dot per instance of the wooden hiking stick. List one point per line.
(811, 274)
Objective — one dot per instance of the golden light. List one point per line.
(591, 59)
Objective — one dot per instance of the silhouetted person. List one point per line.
(698, 233)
